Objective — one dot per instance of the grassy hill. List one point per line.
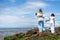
(34, 35)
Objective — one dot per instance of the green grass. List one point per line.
(48, 37)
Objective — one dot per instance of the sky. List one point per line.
(21, 13)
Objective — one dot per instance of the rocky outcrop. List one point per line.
(31, 32)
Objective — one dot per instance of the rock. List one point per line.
(20, 35)
(27, 38)
(58, 30)
(32, 32)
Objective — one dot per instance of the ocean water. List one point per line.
(10, 31)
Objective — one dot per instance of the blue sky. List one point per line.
(20, 13)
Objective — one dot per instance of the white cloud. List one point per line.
(8, 21)
(57, 14)
(28, 7)
(52, 0)
(12, 0)
(15, 16)
(57, 23)
(35, 4)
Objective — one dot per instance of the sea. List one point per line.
(11, 31)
